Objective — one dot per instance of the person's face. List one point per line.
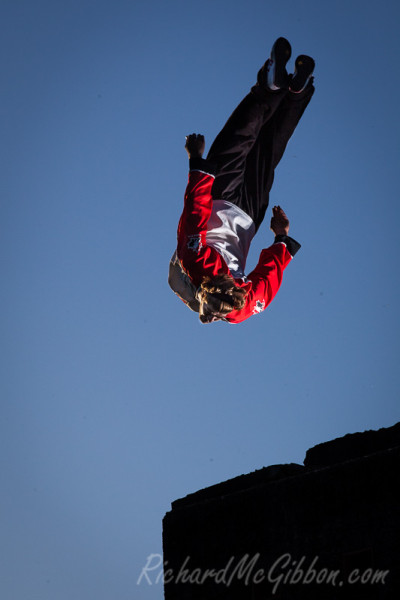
(208, 315)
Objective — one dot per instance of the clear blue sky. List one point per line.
(114, 399)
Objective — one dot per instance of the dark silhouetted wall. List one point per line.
(293, 531)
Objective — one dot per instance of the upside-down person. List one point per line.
(228, 193)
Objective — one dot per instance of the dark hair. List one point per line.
(221, 295)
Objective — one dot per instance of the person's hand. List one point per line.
(195, 144)
(279, 221)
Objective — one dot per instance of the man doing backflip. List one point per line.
(228, 193)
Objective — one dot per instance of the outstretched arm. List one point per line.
(198, 259)
(266, 278)
(198, 200)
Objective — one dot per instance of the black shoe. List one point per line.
(273, 74)
(303, 70)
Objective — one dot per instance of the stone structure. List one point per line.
(328, 529)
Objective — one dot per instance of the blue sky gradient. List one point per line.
(115, 400)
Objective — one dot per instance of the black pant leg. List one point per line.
(268, 150)
(290, 113)
(233, 144)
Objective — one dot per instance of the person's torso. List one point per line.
(230, 232)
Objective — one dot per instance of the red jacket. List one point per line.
(199, 260)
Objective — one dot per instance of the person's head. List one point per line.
(219, 296)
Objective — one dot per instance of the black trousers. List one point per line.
(251, 144)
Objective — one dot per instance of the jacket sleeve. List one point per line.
(265, 280)
(198, 200)
(197, 259)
